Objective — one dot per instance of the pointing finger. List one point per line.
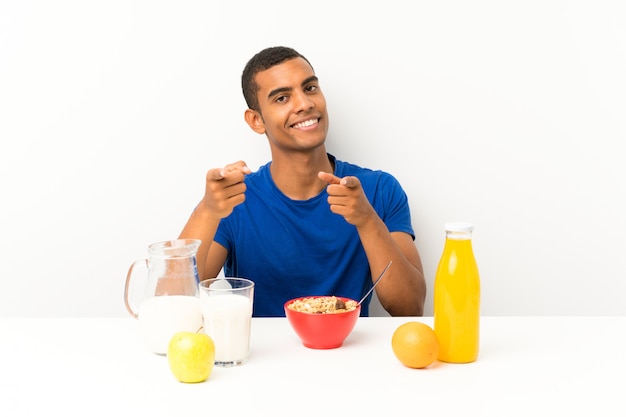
(237, 166)
(214, 174)
(329, 178)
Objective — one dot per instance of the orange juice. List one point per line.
(457, 297)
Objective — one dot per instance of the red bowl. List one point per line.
(322, 331)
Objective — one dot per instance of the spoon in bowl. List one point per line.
(375, 282)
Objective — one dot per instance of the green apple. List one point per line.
(191, 356)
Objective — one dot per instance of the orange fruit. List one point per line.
(415, 344)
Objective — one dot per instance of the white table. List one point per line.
(543, 366)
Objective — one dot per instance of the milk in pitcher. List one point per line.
(161, 317)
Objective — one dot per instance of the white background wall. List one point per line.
(511, 115)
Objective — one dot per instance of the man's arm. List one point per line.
(224, 190)
(402, 291)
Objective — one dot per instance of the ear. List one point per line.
(255, 121)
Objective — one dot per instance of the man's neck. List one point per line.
(295, 175)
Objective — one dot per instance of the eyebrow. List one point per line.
(285, 89)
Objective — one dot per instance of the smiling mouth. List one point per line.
(306, 123)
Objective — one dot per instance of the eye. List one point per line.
(280, 99)
(311, 88)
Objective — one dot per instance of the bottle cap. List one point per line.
(461, 227)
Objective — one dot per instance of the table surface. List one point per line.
(527, 366)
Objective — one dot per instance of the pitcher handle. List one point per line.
(128, 277)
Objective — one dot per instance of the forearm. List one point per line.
(403, 290)
(201, 225)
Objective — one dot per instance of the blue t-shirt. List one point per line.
(294, 248)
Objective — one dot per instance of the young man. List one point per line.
(305, 223)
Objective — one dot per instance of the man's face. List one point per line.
(293, 107)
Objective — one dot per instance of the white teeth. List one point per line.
(306, 123)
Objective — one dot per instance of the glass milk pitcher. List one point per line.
(170, 302)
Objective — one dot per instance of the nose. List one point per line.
(302, 102)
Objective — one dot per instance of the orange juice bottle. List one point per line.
(457, 297)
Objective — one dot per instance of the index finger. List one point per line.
(329, 178)
(237, 166)
(214, 174)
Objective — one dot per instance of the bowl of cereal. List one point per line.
(322, 322)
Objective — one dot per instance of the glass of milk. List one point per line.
(226, 305)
